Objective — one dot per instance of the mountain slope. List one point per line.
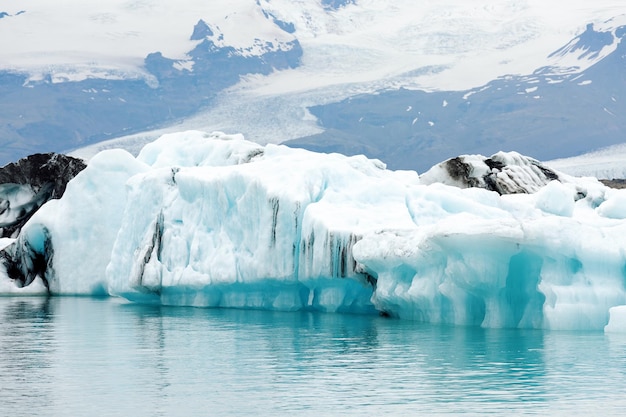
(410, 83)
(545, 115)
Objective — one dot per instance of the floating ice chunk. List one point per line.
(225, 233)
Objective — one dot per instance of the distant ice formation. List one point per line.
(213, 220)
(504, 173)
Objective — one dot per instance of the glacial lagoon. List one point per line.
(72, 356)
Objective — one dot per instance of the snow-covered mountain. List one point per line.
(411, 83)
(563, 108)
(82, 73)
(216, 221)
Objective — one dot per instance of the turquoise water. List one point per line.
(103, 357)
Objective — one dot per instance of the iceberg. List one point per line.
(212, 220)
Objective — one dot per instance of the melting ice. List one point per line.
(213, 220)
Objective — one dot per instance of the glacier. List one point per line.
(212, 220)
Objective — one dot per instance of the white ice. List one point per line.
(214, 220)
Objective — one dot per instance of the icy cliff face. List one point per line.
(239, 225)
(214, 220)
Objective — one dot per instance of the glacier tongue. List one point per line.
(213, 220)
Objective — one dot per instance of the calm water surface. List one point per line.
(103, 357)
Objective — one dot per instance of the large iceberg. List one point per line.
(213, 220)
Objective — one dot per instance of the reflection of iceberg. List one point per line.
(214, 220)
(27, 347)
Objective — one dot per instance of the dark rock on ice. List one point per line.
(504, 173)
(26, 260)
(27, 184)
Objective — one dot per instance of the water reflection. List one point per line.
(73, 356)
(26, 341)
